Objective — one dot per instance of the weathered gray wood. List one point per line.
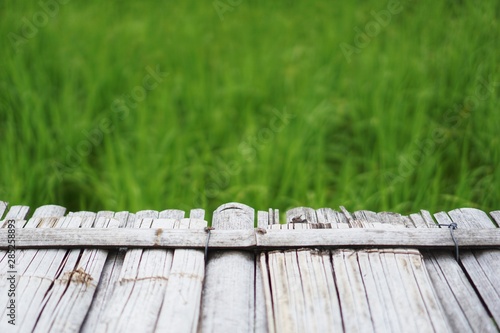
(138, 295)
(39, 269)
(175, 214)
(228, 303)
(108, 279)
(393, 281)
(251, 238)
(262, 219)
(482, 266)
(299, 287)
(496, 216)
(16, 213)
(274, 216)
(31, 264)
(197, 213)
(456, 294)
(181, 304)
(49, 211)
(263, 222)
(68, 301)
(302, 213)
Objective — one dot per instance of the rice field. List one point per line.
(127, 105)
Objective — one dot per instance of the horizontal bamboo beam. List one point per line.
(256, 239)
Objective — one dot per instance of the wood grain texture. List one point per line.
(455, 292)
(370, 279)
(109, 277)
(68, 301)
(482, 266)
(299, 288)
(138, 294)
(228, 303)
(181, 304)
(384, 235)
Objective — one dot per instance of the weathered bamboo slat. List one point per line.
(16, 213)
(252, 239)
(228, 303)
(387, 281)
(181, 304)
(38, 269)
(70, 297)
(138, 295)
(482, 266)
(109, 275)
(457, 296)
(306, 300)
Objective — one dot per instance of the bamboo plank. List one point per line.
(301, 213)
(138, 295)
(49, 211)
(17, 213)
(262, 219)
(40, 269)
(496, 216)
(396, 279)
(109, 277)
(274, 216)
(228, 303)
(174, 214)
(252, 238)
(298, 284)
(69, 300)
(27, 285)
(197, 213)
(181, 304)
(482, 266)
(455, 293)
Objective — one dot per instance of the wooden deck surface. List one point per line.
(311, 289)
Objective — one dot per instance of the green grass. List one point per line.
(406, 124)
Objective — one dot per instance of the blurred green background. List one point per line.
(129, 105)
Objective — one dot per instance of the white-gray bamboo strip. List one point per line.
(482, 266)
(109, 277)
(174, 214)
(456, 294)
(181, 304)
(262, 219)
(228, 303)
(40, 269)
(137, 297)
(69, 300)
(301, 213)
(197, 213)
(25, 284)
(17, 213)
(49, 211)
(386, 236)
(263, 222)
(299, 286)
(496, 216)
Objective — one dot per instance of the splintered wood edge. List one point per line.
(251, 239)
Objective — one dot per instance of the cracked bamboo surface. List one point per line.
(308, 289)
